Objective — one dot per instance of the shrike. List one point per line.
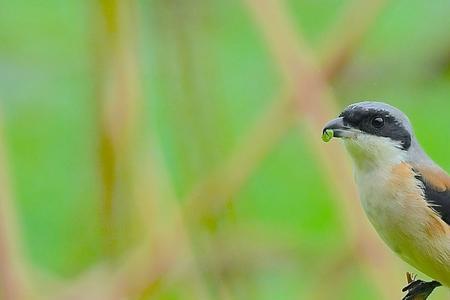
(404, 193)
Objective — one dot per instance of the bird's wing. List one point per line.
(436, 186)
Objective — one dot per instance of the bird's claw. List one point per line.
(418, 289)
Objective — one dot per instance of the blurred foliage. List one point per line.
(205, 75)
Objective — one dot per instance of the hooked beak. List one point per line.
(339, 129)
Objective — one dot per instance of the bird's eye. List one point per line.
(378, 122)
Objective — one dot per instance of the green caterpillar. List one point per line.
(327, 135)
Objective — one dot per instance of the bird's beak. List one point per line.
(339, 129)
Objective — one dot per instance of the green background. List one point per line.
(197, 110)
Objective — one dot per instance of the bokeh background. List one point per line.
(169, 149)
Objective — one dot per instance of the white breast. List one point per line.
(385, 207)
(395, 208)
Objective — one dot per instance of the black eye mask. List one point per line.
(378, 123)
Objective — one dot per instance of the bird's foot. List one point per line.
(418, 289)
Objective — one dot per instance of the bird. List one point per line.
(404, 193)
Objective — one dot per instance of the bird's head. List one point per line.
(374, 133)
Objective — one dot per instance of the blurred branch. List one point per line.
(170, 248)
(14, 284)
(165, 250)
(256, 144)
(117, 95)
(341, 42)
(138, 272)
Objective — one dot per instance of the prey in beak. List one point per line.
(337, 128)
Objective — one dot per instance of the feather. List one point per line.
(436, 187)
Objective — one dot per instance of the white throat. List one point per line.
(373, 152)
